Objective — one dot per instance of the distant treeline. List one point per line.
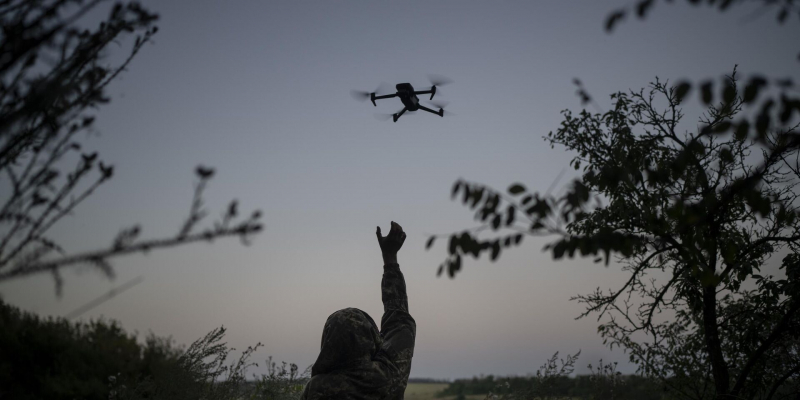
(621, 387)
(427, 380)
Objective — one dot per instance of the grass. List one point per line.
(427, 391)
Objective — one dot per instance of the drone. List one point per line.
(408, 96)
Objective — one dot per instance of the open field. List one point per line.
(427, 391)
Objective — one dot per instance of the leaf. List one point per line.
(742, 131)
(706, 92)
(456, 187)
(511, 213)
(763, 119)
(782, 15)
(496, 221)
(729, 93)
(477, 195)
(440, 270)
(643, 7)
(726, 155)
(453, 245)
(787, 106)
(681, 91)
(613, 19)
(430, 242)
(559, 249)
(516, 189)
(753, 87)
(526, 200)
(495, 250)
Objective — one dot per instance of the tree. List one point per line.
(705, 208)
(696, 206)
(52, 79)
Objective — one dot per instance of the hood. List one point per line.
(350, 338)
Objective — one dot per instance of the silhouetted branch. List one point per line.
(52, 75)
(104, 298)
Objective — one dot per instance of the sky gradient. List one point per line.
(259, 90)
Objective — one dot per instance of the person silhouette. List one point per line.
(356, 360)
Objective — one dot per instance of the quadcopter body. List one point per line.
(408, 96)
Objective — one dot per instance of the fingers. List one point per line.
(396, 227)
(378, 233)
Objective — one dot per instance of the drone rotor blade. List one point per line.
(360, 95)
(439, 80)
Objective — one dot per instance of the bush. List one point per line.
(53, 358)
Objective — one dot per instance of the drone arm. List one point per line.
(386, 96)
(432, 91)
(397, 115)
(439, 113)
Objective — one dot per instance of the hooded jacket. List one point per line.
(357, 361)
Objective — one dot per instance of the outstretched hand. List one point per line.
(391, 243)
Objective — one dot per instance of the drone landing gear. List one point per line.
(439, 113)
(397, 115)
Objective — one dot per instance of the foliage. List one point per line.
(57, 359)
(54, 358)
(52, 78)
(553, 381)
(550, 378)
(281, 382)
(701, 209)
(643, 8)
(696, 206)
(692, 216)
(199, 372)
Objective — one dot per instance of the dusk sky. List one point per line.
(260, 91)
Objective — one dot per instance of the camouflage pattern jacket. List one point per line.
(356, 361)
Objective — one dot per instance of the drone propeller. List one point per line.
(436, 82)
(439, 80)
(442, 105)
(360, 95)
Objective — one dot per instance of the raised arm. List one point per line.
(398, 328)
